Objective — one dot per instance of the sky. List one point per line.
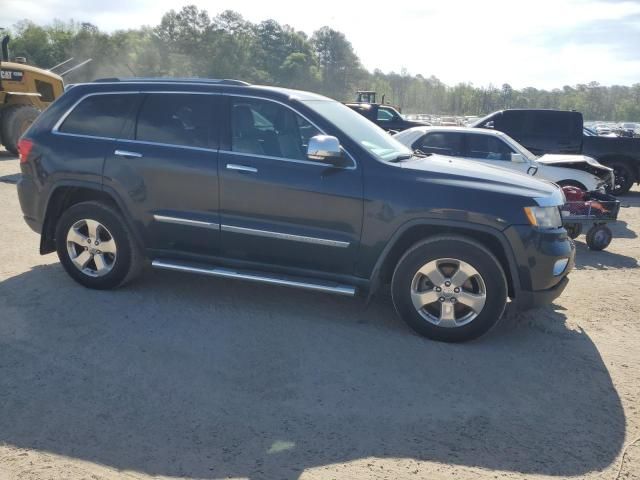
(539, 43)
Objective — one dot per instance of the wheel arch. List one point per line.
(66, 194)
(415, 231)
(632, 163)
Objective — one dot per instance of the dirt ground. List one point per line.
(187, 376)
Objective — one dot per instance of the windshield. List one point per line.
(360, 130)
(519, 148)
(481, 121)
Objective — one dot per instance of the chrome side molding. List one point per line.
(269, 278)
(186, 221)
(285, 236)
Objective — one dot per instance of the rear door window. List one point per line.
(442, 143)
(176, 119)
(101, 115)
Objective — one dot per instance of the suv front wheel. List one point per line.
(96, 247)
(449, 288)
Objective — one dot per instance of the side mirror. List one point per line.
(324, 148)
(518, 158)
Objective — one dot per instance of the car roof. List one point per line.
(196, 84)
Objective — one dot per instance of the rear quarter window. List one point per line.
(101, 115)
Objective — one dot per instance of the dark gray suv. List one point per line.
(285, 187)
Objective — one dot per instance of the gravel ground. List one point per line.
(187, 376)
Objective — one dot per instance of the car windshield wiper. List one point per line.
(406, 156)
(419, 153)
(401, 157)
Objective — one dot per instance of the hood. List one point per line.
(469, 174)
(559, 160)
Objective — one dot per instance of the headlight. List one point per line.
(544, 217)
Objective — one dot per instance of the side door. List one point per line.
(389, 119)
(277, 207)
(491, 150)
(166, 169)
(441, 143)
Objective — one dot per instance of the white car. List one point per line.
(500, 150)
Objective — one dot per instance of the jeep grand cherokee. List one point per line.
(222, 178)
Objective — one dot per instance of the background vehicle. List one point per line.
(266, 184)
(24, 92)
(385, 116)
(560, 131)
(498, 149)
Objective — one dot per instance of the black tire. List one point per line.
(15, 121)
(599, 237)
(573, 230)
(462, 249)
(572, 183)
(128, 261)
(624, 177)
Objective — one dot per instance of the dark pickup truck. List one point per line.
(385, 116)
(561, 131)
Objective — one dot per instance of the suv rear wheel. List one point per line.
(449, 288)
(95, 246)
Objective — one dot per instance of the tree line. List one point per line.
(191, 43)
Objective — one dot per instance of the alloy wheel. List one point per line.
(91, 248)
(448, 292)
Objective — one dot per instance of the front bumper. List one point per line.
(532, 299)
(536, 252)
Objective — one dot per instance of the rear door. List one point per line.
(166, 167)
(277, 207)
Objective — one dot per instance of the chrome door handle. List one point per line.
(241, 168)
(127, 154)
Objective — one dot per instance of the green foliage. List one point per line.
(189, 43)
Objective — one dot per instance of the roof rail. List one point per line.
(213, 81)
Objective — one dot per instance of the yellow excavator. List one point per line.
(24, 92)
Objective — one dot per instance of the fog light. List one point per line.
(559, 266)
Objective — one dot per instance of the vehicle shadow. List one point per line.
(601, 260)
(13, 178)
(5, 155)
(181, 375)
(621, 229)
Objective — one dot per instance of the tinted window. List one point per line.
(550, 124)
(540, 124)
(262, 127)
(99, 115)
(175, 119)
(486, 147)
(442, 143)
(385, 115)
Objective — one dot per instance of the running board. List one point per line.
(270, 278)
